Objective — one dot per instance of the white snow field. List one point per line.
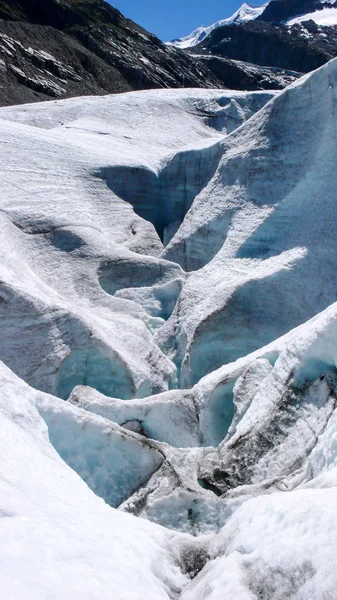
(168, 312)
(327, 17)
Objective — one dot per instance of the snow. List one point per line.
(327, 17)
(255, 237)
(278, 547)
(272, 543)
(244, 14)
(169, 322)
(69, 243)
(61, 539)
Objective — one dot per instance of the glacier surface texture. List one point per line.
(168, 306)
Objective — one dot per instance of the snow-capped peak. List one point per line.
(243, 15)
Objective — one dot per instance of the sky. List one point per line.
(169, 19)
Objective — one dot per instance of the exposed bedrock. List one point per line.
(269, 44)
(247, 75)
(164, 197)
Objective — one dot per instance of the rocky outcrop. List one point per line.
(270, 44)
(51, 49)
(241, 75)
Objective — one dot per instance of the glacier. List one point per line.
(168, 351)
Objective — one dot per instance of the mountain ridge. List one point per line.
(274, 11)
(56, 49)
(244, 14)
(92, 49)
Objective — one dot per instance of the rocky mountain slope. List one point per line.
(52, 49)
(56, 49)
(278, 11)
(269, 36)
(301, 48)
(168, 292)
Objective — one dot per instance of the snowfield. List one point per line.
(327, 17)
(168, 382)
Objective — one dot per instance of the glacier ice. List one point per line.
(113, 462)
(269, 213)
(61, 539)
(164, 197)
(168, 347)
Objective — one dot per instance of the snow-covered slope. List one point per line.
(244, 14)
(324, 18)
(168, 287)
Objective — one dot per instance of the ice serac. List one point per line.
(259, 237)
(272, 529)
(263, 424)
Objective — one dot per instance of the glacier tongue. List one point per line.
(169, 325)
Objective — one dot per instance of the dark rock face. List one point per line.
(247, 76)
(56, 49)
(40, 63)
(62, 14)
(273, 45)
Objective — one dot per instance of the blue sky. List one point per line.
(170, 19)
